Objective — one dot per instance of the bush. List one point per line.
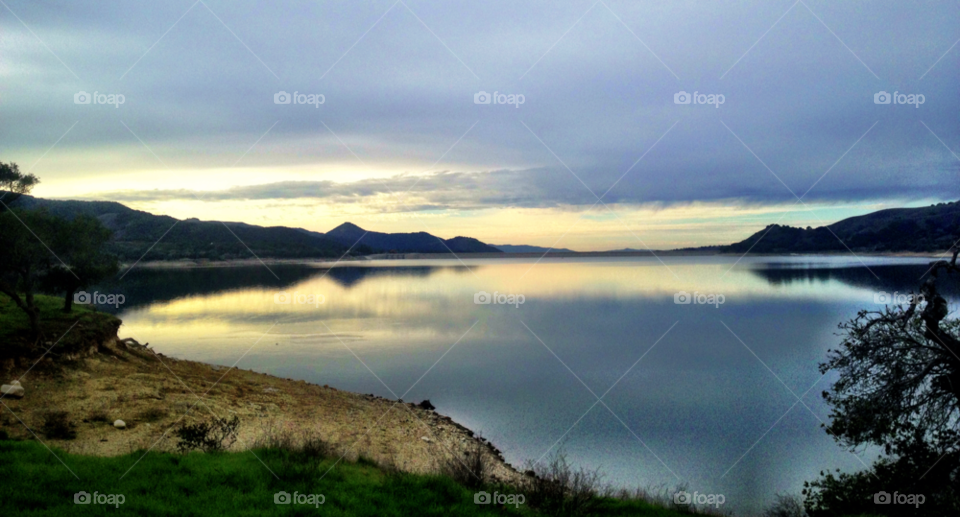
(216, 435)
(557, 489)
(470, 468)
(786, 506)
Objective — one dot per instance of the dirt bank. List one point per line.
(154, 395)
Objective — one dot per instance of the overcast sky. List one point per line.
(599, 155)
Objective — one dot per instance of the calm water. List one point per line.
(702, 395)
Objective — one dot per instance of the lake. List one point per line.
(720, 394)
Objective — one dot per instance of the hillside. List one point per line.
(167, 238)
(925, 229)
(348, 234)
(135, 231)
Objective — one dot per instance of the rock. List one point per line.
(12, 390)
(426, 405)
(119, 424)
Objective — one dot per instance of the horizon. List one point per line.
(590, 127)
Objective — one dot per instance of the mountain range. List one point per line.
(138, 234)
(141, 235)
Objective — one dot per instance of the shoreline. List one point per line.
(155, 394)
(380, 258)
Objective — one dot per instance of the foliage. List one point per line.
(471, 468)
(898, 388)
(25, 258)
(14, 184)
(558, 489)
(216, 435)
(80, 243)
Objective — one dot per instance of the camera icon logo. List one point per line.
(281, 97)
(881, 97)
(682, 298)
(682, 497)
(282, 297)
(482, 498)
(81, 97)
(881, 497)
(81, 497)
(481, 97)
(281, 497)
(881, 297)
(681, 97)
(481, 298)
(82, 298)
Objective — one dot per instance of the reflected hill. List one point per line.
(902, 278)
(146, 286)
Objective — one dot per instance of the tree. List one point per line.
(899, 388)
(14, 183)
(25, 258)
(79, 243)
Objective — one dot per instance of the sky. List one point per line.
(586, 125)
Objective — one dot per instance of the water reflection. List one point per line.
(698, 394)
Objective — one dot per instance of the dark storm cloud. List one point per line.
(199, 79)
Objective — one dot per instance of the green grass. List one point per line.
(12, 319)
(37, 484)
(92, 326)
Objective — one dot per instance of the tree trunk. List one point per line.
(68, 299)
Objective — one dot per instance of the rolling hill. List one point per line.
(349, 234)
(139, 234)
(924, 229)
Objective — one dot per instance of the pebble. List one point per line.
(119, 424)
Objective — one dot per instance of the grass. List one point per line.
(237, 483)
(91, 326)
(13, 320)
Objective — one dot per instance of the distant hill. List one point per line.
(167, 238)
(931, 228)
(523, 248)
(135, 231)
(349, 234)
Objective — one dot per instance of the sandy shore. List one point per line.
(154, 395)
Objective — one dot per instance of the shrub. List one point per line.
(786, 506)
(215, 435)
(557, 489)
(470, 468)
(57, 425)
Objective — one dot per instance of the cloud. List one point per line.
(399, 88)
